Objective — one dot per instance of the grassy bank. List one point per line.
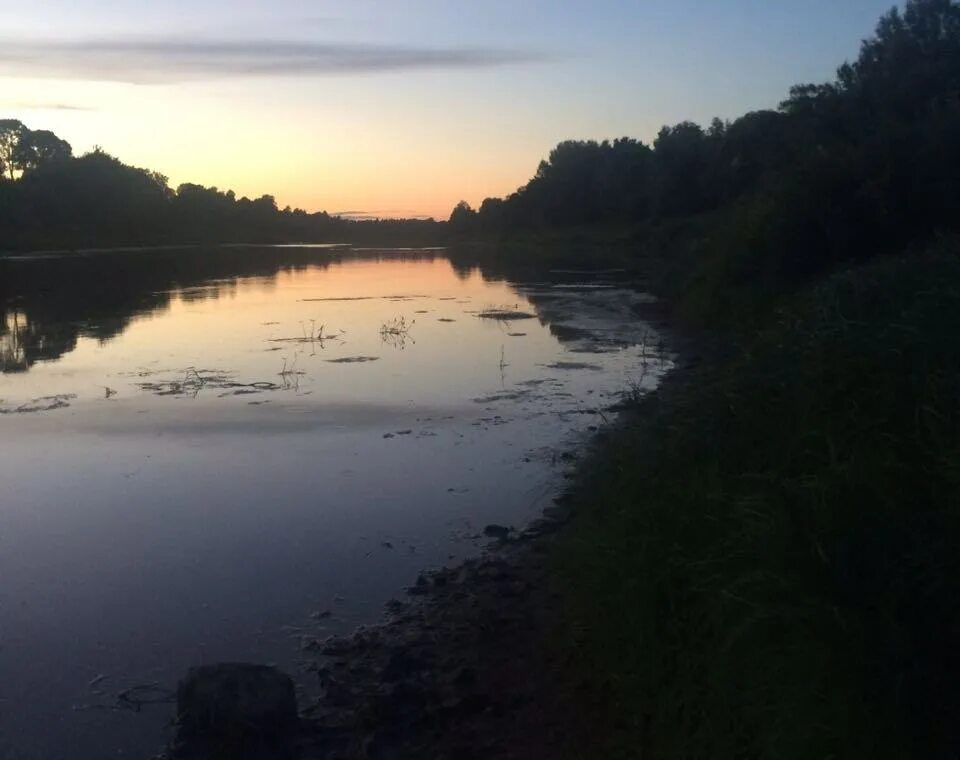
(763, 562)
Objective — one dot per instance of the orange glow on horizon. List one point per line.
(362, 163)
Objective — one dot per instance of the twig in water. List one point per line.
(396, 332)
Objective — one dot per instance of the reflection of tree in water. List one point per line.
(13, 357)
(22, 341)
(46, 305)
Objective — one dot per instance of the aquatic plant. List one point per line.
(505, 313)
(396, 332)
(291, 371)
(194, 381)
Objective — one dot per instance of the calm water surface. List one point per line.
(200, 449)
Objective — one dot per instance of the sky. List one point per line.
(398, 107)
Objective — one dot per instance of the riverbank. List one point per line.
(465, 669)
(474, 661)
(763, 562)
(465, 666)
(759, 561)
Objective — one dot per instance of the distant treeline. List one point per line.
(867, 164)
(50, 199)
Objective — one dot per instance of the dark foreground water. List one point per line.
(201, 449)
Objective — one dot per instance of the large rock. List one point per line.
(236, 711)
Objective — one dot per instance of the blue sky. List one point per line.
(398, 107)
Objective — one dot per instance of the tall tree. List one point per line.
(37, 148)
(11, 132)
(463, 218)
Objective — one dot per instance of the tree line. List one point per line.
(838, 171)
(865, 164)
(51, 199)
(763, 561)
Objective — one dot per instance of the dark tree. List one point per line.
(37, 148)
(463, 218)
(11, 131)
(682, 159)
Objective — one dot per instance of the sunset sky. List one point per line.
(398, 108)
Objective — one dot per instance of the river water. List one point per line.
(203, 450)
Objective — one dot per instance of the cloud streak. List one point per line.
(31, 106)
(160, 61)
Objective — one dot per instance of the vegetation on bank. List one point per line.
(765, 559)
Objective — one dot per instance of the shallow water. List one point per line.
(200, 449)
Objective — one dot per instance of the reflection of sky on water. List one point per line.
(215, 473)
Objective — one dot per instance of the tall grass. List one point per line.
(764, 563)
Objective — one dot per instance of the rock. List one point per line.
(516, 588)
(556, 514)
(493, 572)
(405, 701)
(496, 531)
(401, 665)
(336, 646)
(395, 606)
(422, 586)
(466, 678)
(536, 529)
(236, 711)
(336, 693)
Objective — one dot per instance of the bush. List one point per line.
(764, 562)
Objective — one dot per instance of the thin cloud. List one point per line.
(167, 60)
(29, 106)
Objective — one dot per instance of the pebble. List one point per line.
(496, 531)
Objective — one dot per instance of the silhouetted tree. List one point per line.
(55, 200)
(463, 219)
(11, 130)
(847, 169)
(682, 157)
(37, 148)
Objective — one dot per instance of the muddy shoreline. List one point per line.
(462, 667)
(457, 670)
(473, 661)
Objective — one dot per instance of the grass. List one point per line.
(396, 327)
(762, 563)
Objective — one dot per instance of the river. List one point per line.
(203, 452)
